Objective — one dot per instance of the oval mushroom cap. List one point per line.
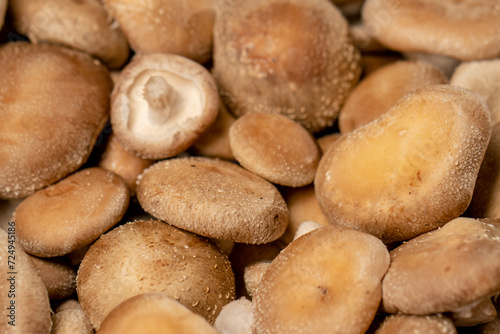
(444, 270)
(53, 105)
(327, 281)
(213, 198)
(466, 30)
(148, 256)
(275, 148)
(76, 211)
(161, 104)
(83, 25)
(154, 313)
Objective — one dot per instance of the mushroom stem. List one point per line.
(160, 96)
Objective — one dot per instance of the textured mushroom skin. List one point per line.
(147, 256)
(57, 275)
(53, 106)
(289, 57)
(430, 324)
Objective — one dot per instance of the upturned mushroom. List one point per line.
(294, 58)
(161, 104)
(82, 25)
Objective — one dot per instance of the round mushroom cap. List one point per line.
(275, 148)
(294, 58)
(414, 324)
(57, 275)
(82, 25)
(29, 308)
(3, 9)
(327, 281)
(444, 270)
(411, 170)
(466, 30)
(154, 313)
(72, 321)
(481, 77)
(76, 211)
(53, 105)
(161, 104)
(376, 93)
(235, 317)
(213, 198)
(182, 27)
(146, 256)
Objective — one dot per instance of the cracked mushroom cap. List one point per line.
(83, 25)
(53, 105)
(466, 30)
(161, 104)
(146, 256)
(154, 313)
(443, 270)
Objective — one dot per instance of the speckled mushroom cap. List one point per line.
(48, 129)
(161, 104)
(3, 9)
(275, 148)
(430, 324)
(411, 170)
(466, 30)
(147, 256)
(154, 313)
(289, 57)
(72, 321)
(83, 25)
(327, 281)
(213, 198)
(32, 307)
(57, 275)
(376, 93)
(76, 211)
(482, 78)
(443, 270)
(182, 27)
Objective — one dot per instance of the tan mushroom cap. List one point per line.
(466, 30)
(213, 198)
(76, 211)
(327, 281)
(414, 324)
(161, 104)
(289, 57)
(48, 129)
(154, 313)
(376, 93)
(411, 170)
(444, 270)
(82, 25)
(275, 148)
(57, 275)
(3, 9)
(147, 256)
(481, 77)
(253, 274)
(182, 27)
(72, 321)
(31, 308)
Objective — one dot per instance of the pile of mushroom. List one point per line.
(249, 167)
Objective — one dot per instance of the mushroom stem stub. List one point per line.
(160, 96)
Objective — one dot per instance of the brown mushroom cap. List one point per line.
(182, 27)
(147, 256)
(327, 281)
(289, 57)
(444, 270)
(213, 198)
(466, 30)
(72, 321)
(409, 171)
(83, 25)
(77, 210)
(57, 275)
(161, 104)
(30, 312)
(49, 128)
(3, 9)
(275, 148)
(413, 324)
(481, 77)
(376, 93)
(154, 313)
